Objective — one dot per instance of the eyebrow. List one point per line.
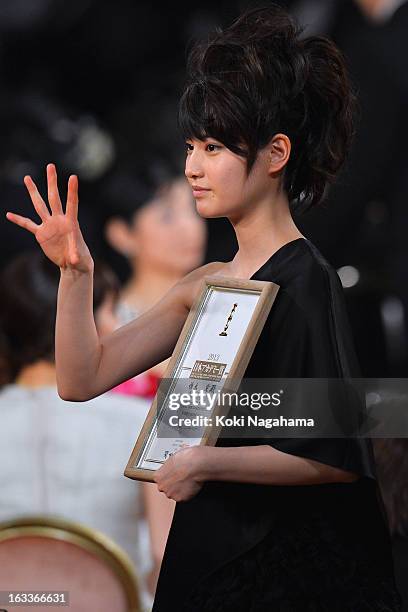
(206, 139)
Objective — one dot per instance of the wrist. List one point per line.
(205, 463)
(87, 269)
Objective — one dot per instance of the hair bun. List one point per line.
(259, 77)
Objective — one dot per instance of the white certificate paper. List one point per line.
(206, 360)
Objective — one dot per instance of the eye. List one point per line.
(189, 147)
(212, 147)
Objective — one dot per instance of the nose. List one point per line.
(193, 169)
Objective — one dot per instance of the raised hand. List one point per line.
(58, 234)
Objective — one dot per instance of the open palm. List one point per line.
(58, 234)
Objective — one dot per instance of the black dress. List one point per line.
(239, 547)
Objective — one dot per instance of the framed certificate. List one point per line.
(210, 357)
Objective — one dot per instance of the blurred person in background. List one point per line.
(380, 10)
(57, 458)
(362, 227)
(392, 461)
(154, 225)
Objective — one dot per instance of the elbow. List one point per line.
(347, 476)
(69, 395)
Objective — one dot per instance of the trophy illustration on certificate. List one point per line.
(210, 358)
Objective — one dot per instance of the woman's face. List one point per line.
(227, 190)
(168, 233)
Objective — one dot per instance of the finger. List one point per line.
(23, 222)
(36, 199)
(181, 448)
(53, 193)
(72, 197)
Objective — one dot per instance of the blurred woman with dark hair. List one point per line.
(48, 447)
(152, 222)
(261, 524)
(149, 208)
(27, 314)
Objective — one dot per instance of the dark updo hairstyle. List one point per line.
(28, 309)
(257, 78)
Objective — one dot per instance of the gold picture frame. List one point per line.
(213, 351)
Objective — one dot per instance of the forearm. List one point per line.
(88, 365)
(77, 345)
(265, 465)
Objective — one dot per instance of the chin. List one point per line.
(210, 210)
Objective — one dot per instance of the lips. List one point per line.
(199, 191)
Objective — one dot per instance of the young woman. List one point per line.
(154, 207)
(284, 524)
(147, 211)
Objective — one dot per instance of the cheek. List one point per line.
(167, 235)
(148, 235)
(229, 188)
(182, 246)
(182, 242)
(231, 176)
(163, 245)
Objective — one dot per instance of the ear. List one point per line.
(278, 153)
(119, 237)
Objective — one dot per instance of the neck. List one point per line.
(261, 232)
(147, 285)
(39, 374)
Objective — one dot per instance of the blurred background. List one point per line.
(93, 86)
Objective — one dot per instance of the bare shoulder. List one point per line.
(190, 285)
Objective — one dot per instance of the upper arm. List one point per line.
(149, 339)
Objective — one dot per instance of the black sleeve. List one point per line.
(306, 348)
(329, 369)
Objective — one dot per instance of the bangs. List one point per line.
(208, 110)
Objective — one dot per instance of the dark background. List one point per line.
(93, 85)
